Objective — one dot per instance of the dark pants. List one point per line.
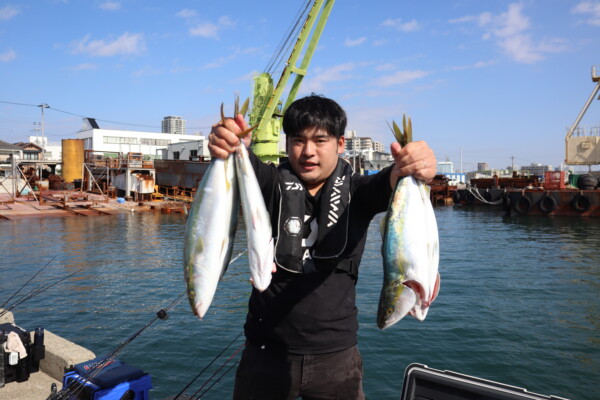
(269, 373)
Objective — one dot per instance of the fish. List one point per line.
(258, 222)
(210, 232)
(410, 250)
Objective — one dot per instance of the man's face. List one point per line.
(313, 155)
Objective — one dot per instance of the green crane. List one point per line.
(267, 107)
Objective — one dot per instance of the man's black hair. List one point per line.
(314, 111)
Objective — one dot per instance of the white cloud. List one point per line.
(317, 82)
(110, 5)
(211, 30)
(126, 44)
(385, 67)
(8, 56)
(510, 31)
(410, 26)
(478, 64)
(187, 13)
(355, 42)
(399, 78)
(83, 67)
(147, 71)
(234, 53)
(591, 8)
(8, 12)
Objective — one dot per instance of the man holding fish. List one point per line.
(301, 331)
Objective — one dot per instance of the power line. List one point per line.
(97, 119)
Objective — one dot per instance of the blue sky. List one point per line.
(491, 79)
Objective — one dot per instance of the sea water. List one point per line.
(519, 301)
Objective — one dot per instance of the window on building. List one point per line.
(155, 142)
(193, 154)
(175, 155)
(119, 140)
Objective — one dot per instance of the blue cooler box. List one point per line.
(115, 381)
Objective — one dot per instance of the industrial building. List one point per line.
(149, 144)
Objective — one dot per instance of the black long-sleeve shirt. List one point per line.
(314, 313)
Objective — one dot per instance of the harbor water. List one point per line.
(519, 301)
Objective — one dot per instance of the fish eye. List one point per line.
(389, 311)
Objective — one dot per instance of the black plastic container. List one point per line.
(424, 383)
(19, 372)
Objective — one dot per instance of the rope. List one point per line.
(478, 196)
(285, 43)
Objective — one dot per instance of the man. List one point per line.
(301, 332)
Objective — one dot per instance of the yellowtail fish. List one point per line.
(209, 233)
(258, 222)
(410, 249)
(410, 254)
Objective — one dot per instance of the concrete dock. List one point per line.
(60, 355)
(91, 205)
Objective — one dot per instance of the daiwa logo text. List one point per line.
(334, 201)
(293, 186)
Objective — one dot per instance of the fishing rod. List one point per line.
(37, 291)
(222, 351)
(26, 283)
(221, 376)
(64, 393)
(205, 368)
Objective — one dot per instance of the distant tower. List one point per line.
(173, 125)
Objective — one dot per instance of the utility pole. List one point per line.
(42, 106)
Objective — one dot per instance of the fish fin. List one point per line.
(436, 288)
(398, 134)
(382, 224)
(244, 108)
(199, 246)
(419, 290)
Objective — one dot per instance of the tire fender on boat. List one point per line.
(523, 204)
(581, 203)
(506, 200)
(456, 197)
(548, 204)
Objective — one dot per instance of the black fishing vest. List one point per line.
(333, 218)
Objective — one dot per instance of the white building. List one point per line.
(150, 144)
(52, 151)
(173, 125)
(537, 169)
(445, 167)
(193, 150)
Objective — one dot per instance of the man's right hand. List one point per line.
(223, 139)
